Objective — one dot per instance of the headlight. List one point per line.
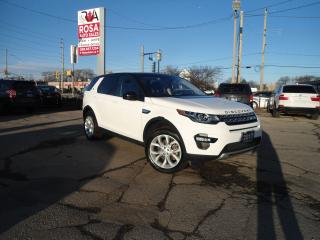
(200, 117)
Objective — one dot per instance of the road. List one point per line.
(54, 184)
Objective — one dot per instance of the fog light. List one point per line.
(203, 141)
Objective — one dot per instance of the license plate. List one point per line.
(247, 137)
(234, 99)
(29, 95)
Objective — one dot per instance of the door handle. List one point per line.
(145, 111)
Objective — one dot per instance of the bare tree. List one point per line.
(204, 77)
(171, 70)
(283, 80)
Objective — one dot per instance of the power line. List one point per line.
(286, 10)
(213, 21)
(270, 6)
(290, 66)
(306, 17)
(133, 20)
(28, 30)
(216, 59)
(27, 40)
(29, 47)
(41, 58)
(295, 8)
(27, 33)
(294, 54)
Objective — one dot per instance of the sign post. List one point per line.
(74, 60)
(91, 35)
(101, 61)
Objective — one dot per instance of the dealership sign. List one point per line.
(89, 32)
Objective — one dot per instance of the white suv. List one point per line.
(296, 99)
(170, 116)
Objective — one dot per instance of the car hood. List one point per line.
(203, 104)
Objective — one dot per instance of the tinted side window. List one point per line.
(3, 86)
(110, 85)
(235, 89)
(129, 84)
(23, 85)
(92, 83)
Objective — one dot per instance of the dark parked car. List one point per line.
(18, 94)
(239, 92)
(50, 95)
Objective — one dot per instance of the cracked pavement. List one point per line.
(54, 184)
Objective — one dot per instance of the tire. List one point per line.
(165, 151)
(59, 103)
(90, 126)
(315, 116)
(275, 113)
(268, 108)
(30, 110)
(1, 108)
(255, 105)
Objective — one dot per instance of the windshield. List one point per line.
(168, 86)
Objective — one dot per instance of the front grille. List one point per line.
(236, 119)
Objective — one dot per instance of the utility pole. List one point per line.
(142, 58)
(74, 60)
(235, 7)
(6, 62)
(240, 48)
(159, 57)
(263, 49)
(62, 61)
(153, 67)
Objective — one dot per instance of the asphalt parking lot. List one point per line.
(54, 184)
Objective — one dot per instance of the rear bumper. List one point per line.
(296, 110)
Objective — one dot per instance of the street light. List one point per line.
(236, 5)
(236, 8)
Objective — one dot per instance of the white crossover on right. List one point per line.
(295, 99)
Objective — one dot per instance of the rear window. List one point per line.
(234, 88)
(298, 89)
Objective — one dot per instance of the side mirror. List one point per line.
(131, 96)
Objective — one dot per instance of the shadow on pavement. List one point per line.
(35, 171)
(273, 196)
(16, 114)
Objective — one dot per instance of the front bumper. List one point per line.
(228, 137)
(238, 147)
